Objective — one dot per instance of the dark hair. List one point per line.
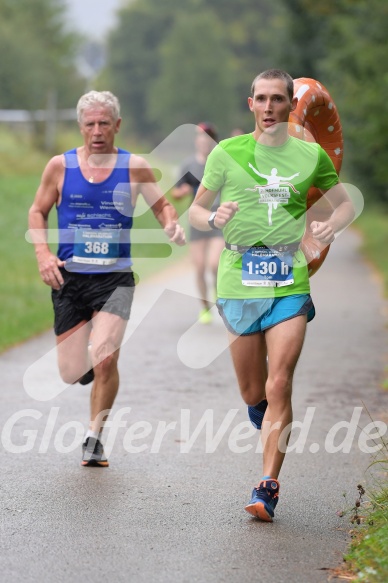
(275, 74)
(209, 129)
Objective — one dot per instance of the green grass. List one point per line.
(373, 225)
(25, 300)
(367, 558)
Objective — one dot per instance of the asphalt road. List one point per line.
(170, 508)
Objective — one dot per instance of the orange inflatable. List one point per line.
(316, 112)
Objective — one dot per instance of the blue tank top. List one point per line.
(94, 219)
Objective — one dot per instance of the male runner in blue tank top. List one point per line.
(94, 188)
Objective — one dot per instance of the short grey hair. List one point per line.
(101, 98)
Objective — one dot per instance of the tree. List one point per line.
(304, 34)
(355, 67)
(133, 60)
(39, 55)
(141, 51)
(195, 81)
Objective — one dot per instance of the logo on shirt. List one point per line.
(276, 191)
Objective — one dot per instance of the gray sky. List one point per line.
(93, 17)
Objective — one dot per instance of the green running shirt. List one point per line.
(270, 185)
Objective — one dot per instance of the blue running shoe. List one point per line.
(256, 413)
(264, 500)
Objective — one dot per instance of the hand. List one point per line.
(175, 233)
(49, 272)
(225, 213)
(323, 232)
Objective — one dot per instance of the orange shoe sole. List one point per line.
(258, 511)
(94, 464)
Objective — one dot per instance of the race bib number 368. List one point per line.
(267, 268)
(96, 247)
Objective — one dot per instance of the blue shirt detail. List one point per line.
(102, 206)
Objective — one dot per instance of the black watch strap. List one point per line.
(211, 221)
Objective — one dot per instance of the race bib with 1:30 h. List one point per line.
(267, 268)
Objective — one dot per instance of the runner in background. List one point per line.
(205, 246)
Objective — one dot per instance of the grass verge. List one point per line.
(25, 301)
(373, 225)
(367, 558)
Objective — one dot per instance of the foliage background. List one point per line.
(182, 61)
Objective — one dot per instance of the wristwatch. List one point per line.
(211, 221)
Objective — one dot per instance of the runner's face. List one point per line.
(270, 105)
(98, 129)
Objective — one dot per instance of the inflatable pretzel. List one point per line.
(316, 112)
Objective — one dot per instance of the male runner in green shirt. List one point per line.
(263, 285)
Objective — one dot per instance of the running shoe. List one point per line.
(205, 316)
(264, 500)
(87, 378)
(93, 453)
(256, 413)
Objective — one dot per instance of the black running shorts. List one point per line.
(83, 294)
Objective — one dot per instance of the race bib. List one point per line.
(267, 268)
(96, 247)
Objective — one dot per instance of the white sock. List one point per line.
(94, 434)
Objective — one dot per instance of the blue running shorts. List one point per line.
(245, 317)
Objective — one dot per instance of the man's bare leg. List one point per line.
(72, 351)
(108, 333)
(284, 343)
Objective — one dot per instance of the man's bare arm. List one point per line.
(143, 181)
(46, 197)
(343, 214)
(199, 212)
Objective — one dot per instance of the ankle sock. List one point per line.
(94, 434)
